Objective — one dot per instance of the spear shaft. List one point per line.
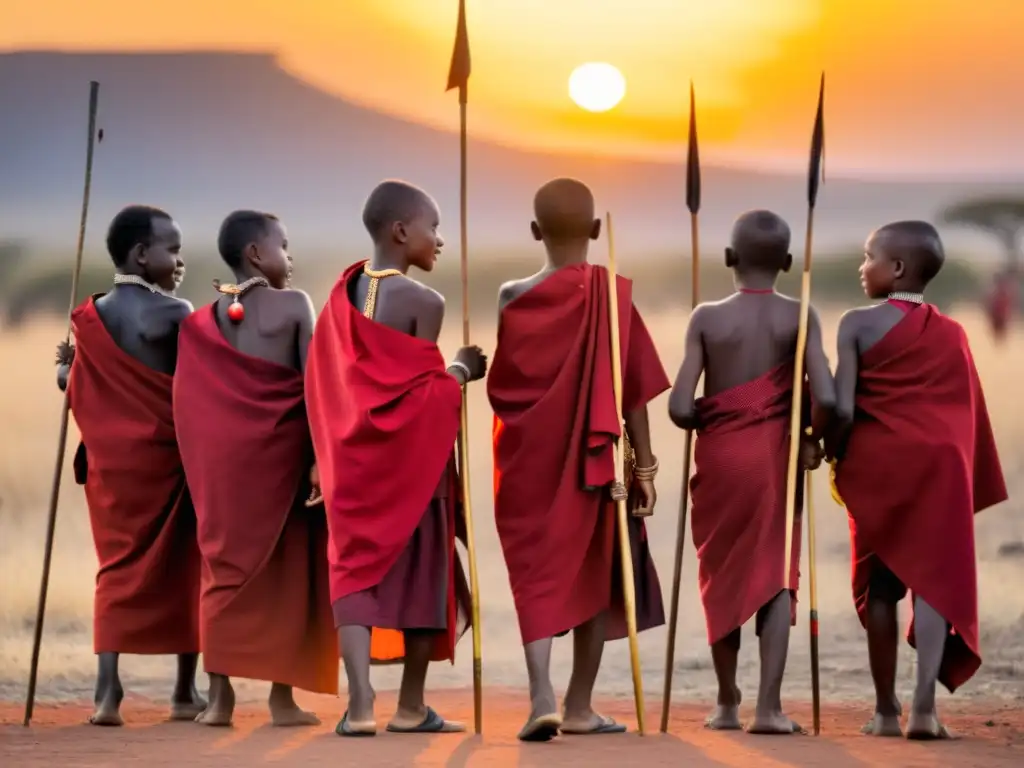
(62, 438)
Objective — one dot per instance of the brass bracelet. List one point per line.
(646, 473)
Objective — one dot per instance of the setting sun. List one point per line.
(596, 86)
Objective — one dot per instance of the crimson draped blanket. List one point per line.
(550, 385)
(384, 416)
(143, 524)
(920, 463)
(738, 494)
(265, 611)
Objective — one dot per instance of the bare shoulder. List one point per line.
(173, 308)
(513, 289)
(704, 313)
(422, 294)
(853, 322)
(294, 299)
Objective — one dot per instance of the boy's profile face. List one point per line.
(880, 268)
(161, 260)
(422, 240)
(270, 256)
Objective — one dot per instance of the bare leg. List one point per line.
(544, 720)
(108, 692)
(774, 646)
(284, 711)
(726, 654)
(186, 701)
(355, 652)
(412, 711)
(883, 644)
(222, 703)
(588, 646)
(931, 631)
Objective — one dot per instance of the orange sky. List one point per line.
(914, 86)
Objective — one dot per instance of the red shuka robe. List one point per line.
(921, 461)
(143, 524)
(265, 611)
(738, 496)
(550, 385)
(384, 416)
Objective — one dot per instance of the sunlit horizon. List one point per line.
(916, 88)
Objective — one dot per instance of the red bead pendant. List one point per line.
(236, 312)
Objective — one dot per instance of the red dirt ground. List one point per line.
(993, 735)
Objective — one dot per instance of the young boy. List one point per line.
(239, 409)
(916, 462)
(384, 413)
(745, 347)
(555, 424)
(118, 377)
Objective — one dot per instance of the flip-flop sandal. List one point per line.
(432, 723)
(344, 729)
(607, 725)
(543, 728)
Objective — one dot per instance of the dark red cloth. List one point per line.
(550, 385)
(384, 415)
(921, 461)
(265, 611)
(738, 497)
(143, 524)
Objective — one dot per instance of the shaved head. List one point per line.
(393, 201)
(917, 244)
(760, 241)
(564, 210)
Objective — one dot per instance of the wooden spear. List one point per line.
(693, 203)
(62, 438)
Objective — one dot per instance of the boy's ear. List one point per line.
(898, 268)
(535, 229)
(595, 229)
(787, 264)
(730, 258)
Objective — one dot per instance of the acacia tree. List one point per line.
(1002, 217)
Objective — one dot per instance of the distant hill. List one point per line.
(201, 133)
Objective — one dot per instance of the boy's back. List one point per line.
(745, 346)
(746, 335)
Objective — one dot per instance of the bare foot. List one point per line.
(188, 707)
(774, 723)
(286, 718)
(284, 712)
(926, 727)
(107, 713)
(724, 718)
(886, 726)
(215, 716)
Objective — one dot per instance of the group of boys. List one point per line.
(270, 488)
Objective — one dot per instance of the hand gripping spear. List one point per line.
(625, 552)
(693, 203)
(793, 476)
(62, 439)
(458, 77)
